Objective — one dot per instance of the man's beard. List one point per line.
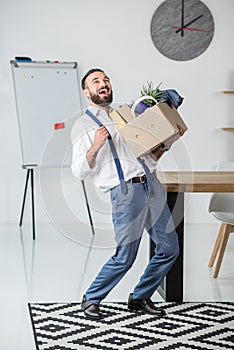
(104, 101)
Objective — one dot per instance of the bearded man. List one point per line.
(100, 152)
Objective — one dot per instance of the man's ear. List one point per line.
(86, 93)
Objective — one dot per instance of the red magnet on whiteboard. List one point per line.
(59, 126)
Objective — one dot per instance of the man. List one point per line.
(141, 206)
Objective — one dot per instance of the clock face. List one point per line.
(182, 29)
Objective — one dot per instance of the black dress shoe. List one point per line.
(145, 305)
(91, 310)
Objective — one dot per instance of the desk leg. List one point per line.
(171, 289)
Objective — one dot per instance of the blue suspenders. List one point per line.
(114, 153)
(117, 161)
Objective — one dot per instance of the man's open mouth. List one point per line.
(103, 92)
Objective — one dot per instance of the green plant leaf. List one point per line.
(149, 90)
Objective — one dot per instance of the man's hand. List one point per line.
(157, 153)
(100, 137)
(181, 130)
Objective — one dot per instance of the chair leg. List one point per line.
(217, 245)
(226, 234)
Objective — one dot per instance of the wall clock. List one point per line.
(182, 29)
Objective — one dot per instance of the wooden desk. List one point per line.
(176, 184)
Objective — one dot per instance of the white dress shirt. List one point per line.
(104, 173)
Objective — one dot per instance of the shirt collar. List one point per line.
(98, 111)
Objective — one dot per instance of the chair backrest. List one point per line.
(222, 202)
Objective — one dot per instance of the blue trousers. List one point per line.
(132, 213)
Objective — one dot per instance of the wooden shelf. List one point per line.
(228, 128)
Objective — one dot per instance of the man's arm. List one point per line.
(100, 138)
(159, 151)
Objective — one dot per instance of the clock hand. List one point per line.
(191, 29)
(182, 17)
(186, 25)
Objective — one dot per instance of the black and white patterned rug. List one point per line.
(62, 326)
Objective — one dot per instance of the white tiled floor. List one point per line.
(60, 264)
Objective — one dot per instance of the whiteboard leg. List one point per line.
(29, 172)
(24, 198)
(88, 208)
(33, 213)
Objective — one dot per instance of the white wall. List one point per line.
(115, 36)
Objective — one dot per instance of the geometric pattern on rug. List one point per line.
(198, 326)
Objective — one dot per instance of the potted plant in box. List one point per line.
(149, 96)
(149, 90)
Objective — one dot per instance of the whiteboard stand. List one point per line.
(48, 101)
(31, 176)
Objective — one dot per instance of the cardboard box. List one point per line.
(158, 124)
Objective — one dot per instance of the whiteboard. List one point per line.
(48, 102)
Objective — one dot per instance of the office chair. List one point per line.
(221, 206)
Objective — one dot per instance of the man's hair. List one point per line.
(87, 74)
